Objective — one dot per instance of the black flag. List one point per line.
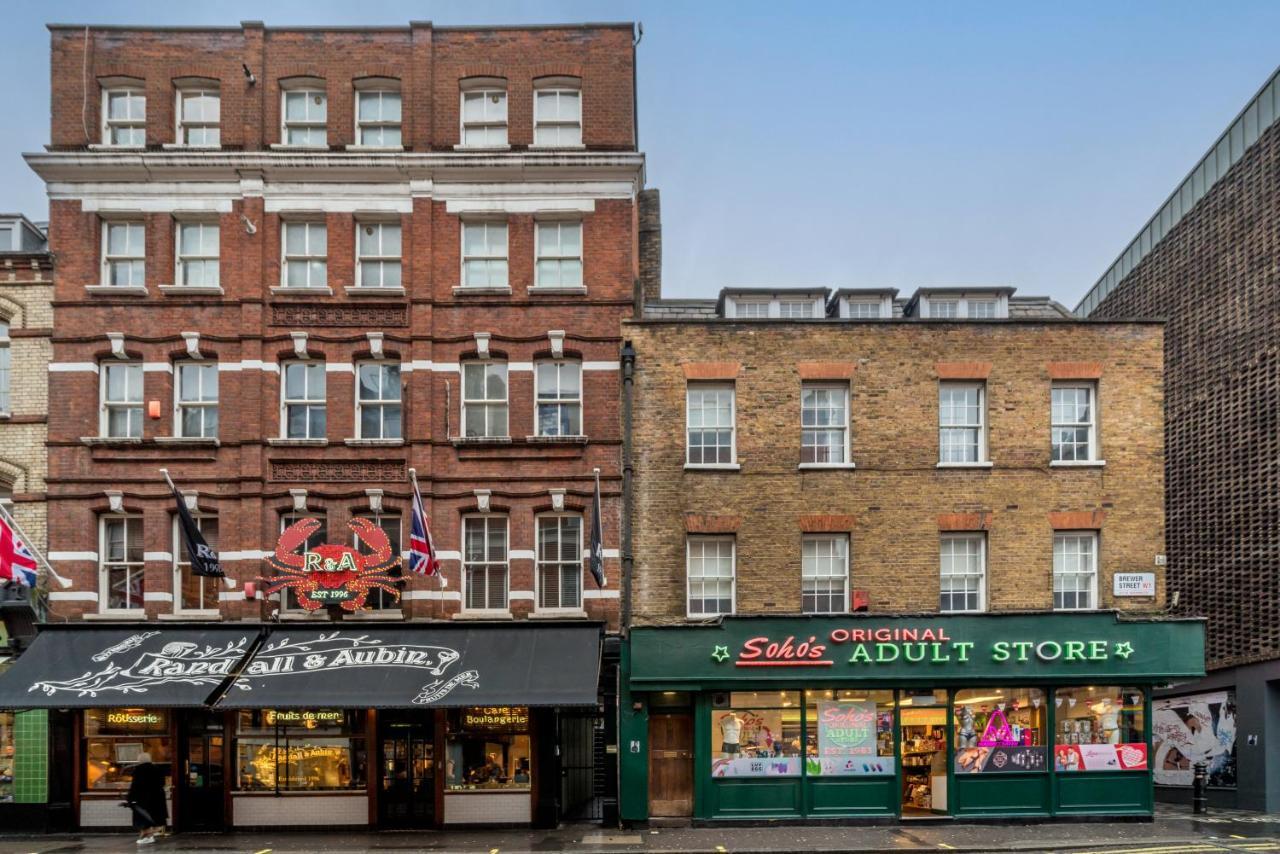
(204, 560)
(597, 546)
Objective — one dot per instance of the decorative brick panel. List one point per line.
(964, 521)
(711, 370)
(826, 370)
(319, 471)
(826, 523)
(1078, 520)
(311, 315)
(963, 370)
(698, 523)
(1075, 370)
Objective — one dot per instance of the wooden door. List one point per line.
(671, 766)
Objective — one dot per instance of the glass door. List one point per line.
(922, 752)
(406, 758)
(201, 803)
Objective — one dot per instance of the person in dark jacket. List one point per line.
(147, 800)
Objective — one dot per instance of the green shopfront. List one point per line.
(885, 717)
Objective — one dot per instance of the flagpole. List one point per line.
(8, 517)
(226, 579)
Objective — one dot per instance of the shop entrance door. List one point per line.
(407, 771)
(670, 765)
(202, 801)
(923, 753)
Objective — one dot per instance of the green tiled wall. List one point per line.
(31, 757)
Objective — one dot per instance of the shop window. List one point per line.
(824, 424)
(849, 733)
(300, 750)
(757, 734)
(488, 748)
(195, 592)
(559, 562)
(1100, 729)
(824, 574)
(484, 562)
(122, 579)
(710, 425)
(378, 598)
(6, 757)
(1190, 729)
(114, 739)
(1000, 730)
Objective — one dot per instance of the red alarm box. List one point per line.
(861, 600)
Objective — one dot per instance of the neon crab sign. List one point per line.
(332, 574)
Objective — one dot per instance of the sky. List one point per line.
(842, 144)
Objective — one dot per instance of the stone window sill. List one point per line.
(117, 290)
(188, 440)
(1077, 464)
(559, 614)
(106, 146)
(371, 443)
(985, 464)
(282, 290)
(459, 441)
(712, 467)
(554, 290)
(304, 616)
(5, 416)
(482, 148)
(207, 615)
(297, 443)
(556, 440)
(375, 149)
(182, 146)
(378, 616)
(111, 440)
(554, 148)
(132, 616)
(192, 290)
(284, 146)
(363, 293)
(486, 614)
(465, 290)
(824, 466)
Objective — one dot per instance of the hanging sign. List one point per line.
(332, 574)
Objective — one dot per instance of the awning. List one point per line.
(408, 667)
(171, 666)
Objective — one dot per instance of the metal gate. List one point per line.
(584, 778)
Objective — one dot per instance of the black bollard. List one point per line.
(1199, 789)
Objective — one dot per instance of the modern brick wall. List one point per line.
(896, 501)
(1215, 279)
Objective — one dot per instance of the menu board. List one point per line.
(847, 740)
(999, 760)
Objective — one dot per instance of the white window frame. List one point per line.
(180, 406)
(382, 402)
(690, 539)
(840, 555)
(136, 261)
(286, 401)
(377, 594)
(854, 304)
(505, 257)
(1089, 575)
(181, 126)
(1092, 454)
(179, 257)
(843, 427)
(809, 308)
(382, 260)
(105, 405)
(486, 402)
(967, 536)
(560, 402)
(562, 566)
(382, 89)
(131, 567)
(487, 88)
(6, 368)
(980, 426)
(963, 303)
(181, 564)
(505, 563)
(310, 89)
(755, 304)
(560, 87)
(701, 386)
(308, 258)
(130, 121)
(559, 257)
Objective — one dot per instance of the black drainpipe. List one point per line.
(628, 470)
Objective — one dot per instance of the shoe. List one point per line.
(147, 840)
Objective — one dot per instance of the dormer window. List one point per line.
(796, 308)
(865, 309)
(959, 305)
(764, 305)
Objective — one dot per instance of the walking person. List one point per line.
(147, 800)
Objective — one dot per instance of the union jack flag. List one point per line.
(422, 549)
(17, 563)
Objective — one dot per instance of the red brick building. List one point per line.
(294, 264)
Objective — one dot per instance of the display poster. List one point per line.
(751, 744)
(1191, 729)
(999, 760)
(1100, 757)
(847, 740)
(771, 766)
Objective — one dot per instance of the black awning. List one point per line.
(410, 667)
(80, 667)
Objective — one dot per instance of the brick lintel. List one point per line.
(964, 521)
(701, 523)
(827, 523)
(963, 370)
(711, 370)
(826, 370)
(1075, 370)
(1081, 520)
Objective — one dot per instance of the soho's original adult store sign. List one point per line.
(917, 649)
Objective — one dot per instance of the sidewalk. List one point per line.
(1174, 830)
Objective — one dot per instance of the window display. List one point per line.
(6, 757)
(488, 748)
(1099, 729)
(758, 734)
(115, 738)
(1000, 730)
(849, 733)
(300, 750)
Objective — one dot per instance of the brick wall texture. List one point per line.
(1216, 279)
(896, 501)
